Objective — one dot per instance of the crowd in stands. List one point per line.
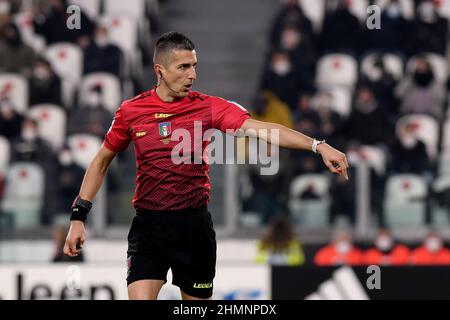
(379, 95)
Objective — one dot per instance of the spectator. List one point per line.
(44, 84)
(53, 25)
(15, 55)
(102, 56)
(368, 122)
(278, 245)
(284, 80)
(409, 152)
(91, 117)
(420, 93)
(10, 120)
(267, 107)
(386, 251)
(70, 176)
(290, 14)
(429, 30)
(432, 252)
(341, 30)
(340, 251)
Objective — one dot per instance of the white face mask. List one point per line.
(409, 141)
(65, 158)
(426, 12)
(384, 243)
(433, 244)
(101, 41)
(343, 247)
(93, 100)
(281, 68)
(393, 11)
(29, 134)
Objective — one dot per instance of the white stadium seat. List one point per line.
(14, 87)
(374, 157)
(359, 9)
(84, 147)
(134, 8)
(67, 61)
(314, 11)
(405, 201)
(24, 194)
(393, 64)
(90, 7)
(24, 22)
(427, 130)
(446, 136)
(5, 154)
(341, 100)
(111, 91)
(52, 123)
(437, 62)
(311, 212)
(337, 70)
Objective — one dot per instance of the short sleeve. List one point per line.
(227, 114)
(117, 138)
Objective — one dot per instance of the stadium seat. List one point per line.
(14, 87)
(444, 163)
(24, 22)
(427, 129)
(446, 136)
(337, 70)
(5, 154)
(405, 201)
(122, 31)
(437, 62)
(67, 61)
(90, 7)
(111, 91)
(310, 212)
(406, 7)
(135, 9)
(84, 147)
(359, 9)
(374, 157)
(314, 11)
(341, 100)
(443, 8)
(52, 123)
(24, 194)
(393, 63)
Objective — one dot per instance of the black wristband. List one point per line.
(80, 209)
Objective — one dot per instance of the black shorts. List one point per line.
(184, 241)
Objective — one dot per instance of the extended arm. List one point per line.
(335, 160)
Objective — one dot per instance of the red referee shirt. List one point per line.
(149, 122)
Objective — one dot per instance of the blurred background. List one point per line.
(318, 66)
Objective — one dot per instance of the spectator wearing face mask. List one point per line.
(409, 152)
(368, 122)
(429, 31)
(15, 55)
(52, 24)
(432, 252)
(31, 148)
(340, 251)
(70, 176)
(386, 251)
(44, 84)
(10, 120)
(102, 56)
(90, 117)
(395, 31)
(420, 93)
(284, 80)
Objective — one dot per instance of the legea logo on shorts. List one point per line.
(203, 285)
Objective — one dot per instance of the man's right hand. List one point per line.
(75, 239)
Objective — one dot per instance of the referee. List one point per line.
(172, 227)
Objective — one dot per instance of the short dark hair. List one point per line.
(171, 41)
